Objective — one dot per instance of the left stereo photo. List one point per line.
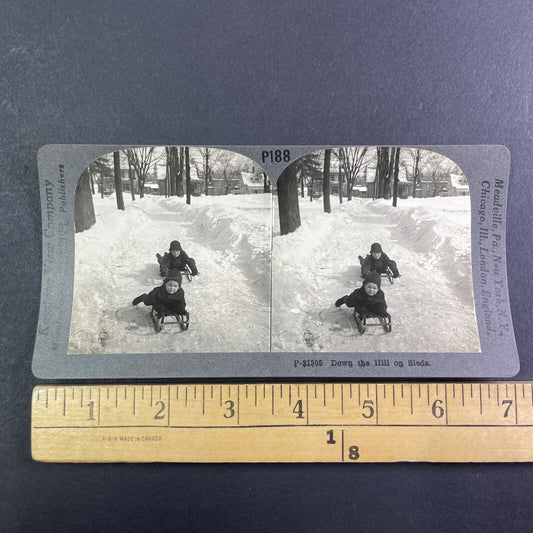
(172, 239)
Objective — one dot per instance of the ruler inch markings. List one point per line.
(474, 429)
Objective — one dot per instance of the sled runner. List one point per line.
(362, 323)
(387, 274)
(186, 273)
(159, 320)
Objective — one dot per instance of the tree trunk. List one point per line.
(390, 174)
(179, 184)
(325, 181)
(382, 172)
(396, 170)
(265, 183)
(173, 169)
(167, 173)
(132, 180)
(289, 209)
(187, 175)
(207, 171)
(340, 183)
(141, 178)
(84, 216)
(118, 181)
(417, 171)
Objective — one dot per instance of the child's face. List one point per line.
(376, 255)
(172, 286)
(371, 288)
(175, 253)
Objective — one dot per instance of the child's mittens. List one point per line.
(341, 301)
(139, 299)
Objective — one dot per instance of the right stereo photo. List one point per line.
(372, 253)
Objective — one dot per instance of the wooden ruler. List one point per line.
(282, 422)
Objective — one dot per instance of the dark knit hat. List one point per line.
(373, 277)
(175, 245)
(173, 276)
(376, 247)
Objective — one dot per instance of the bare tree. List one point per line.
(384, 169)
(187, 175)
(416, 173)
(208, 158)
(325, 182)
(118, 181)
(227, 171)
(142, 159)
(396, 169)
(340, 179)
(172, 170)
(132, 181)
(352, 160)
(181, 171)
(439, 174)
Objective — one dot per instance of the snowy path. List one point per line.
(431, 304)
(228, 302)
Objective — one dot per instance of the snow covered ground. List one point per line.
(431, 303)
(229, 302)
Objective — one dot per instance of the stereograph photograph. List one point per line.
(370, 253)
(380, 261)
(172, 253)
(232, 261)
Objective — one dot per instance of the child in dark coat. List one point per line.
(377, 261)
(167, 299)
(176, 259)
(368, 299)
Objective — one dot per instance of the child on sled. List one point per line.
(176, 259)
(377, 261)
(367, 300)
(166, 300)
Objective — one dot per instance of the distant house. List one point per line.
(197, 184)
(459, 185)
(405, 187)
(428, 185)
(151, 188)
(251, 182)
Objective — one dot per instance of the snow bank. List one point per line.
(438, 230)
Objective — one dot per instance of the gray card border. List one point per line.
(487, 170)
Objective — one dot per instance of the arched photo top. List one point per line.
(171, 171)
(378, 172)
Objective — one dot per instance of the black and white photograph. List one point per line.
(252, 260)
(372, 253)
(172, 253)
